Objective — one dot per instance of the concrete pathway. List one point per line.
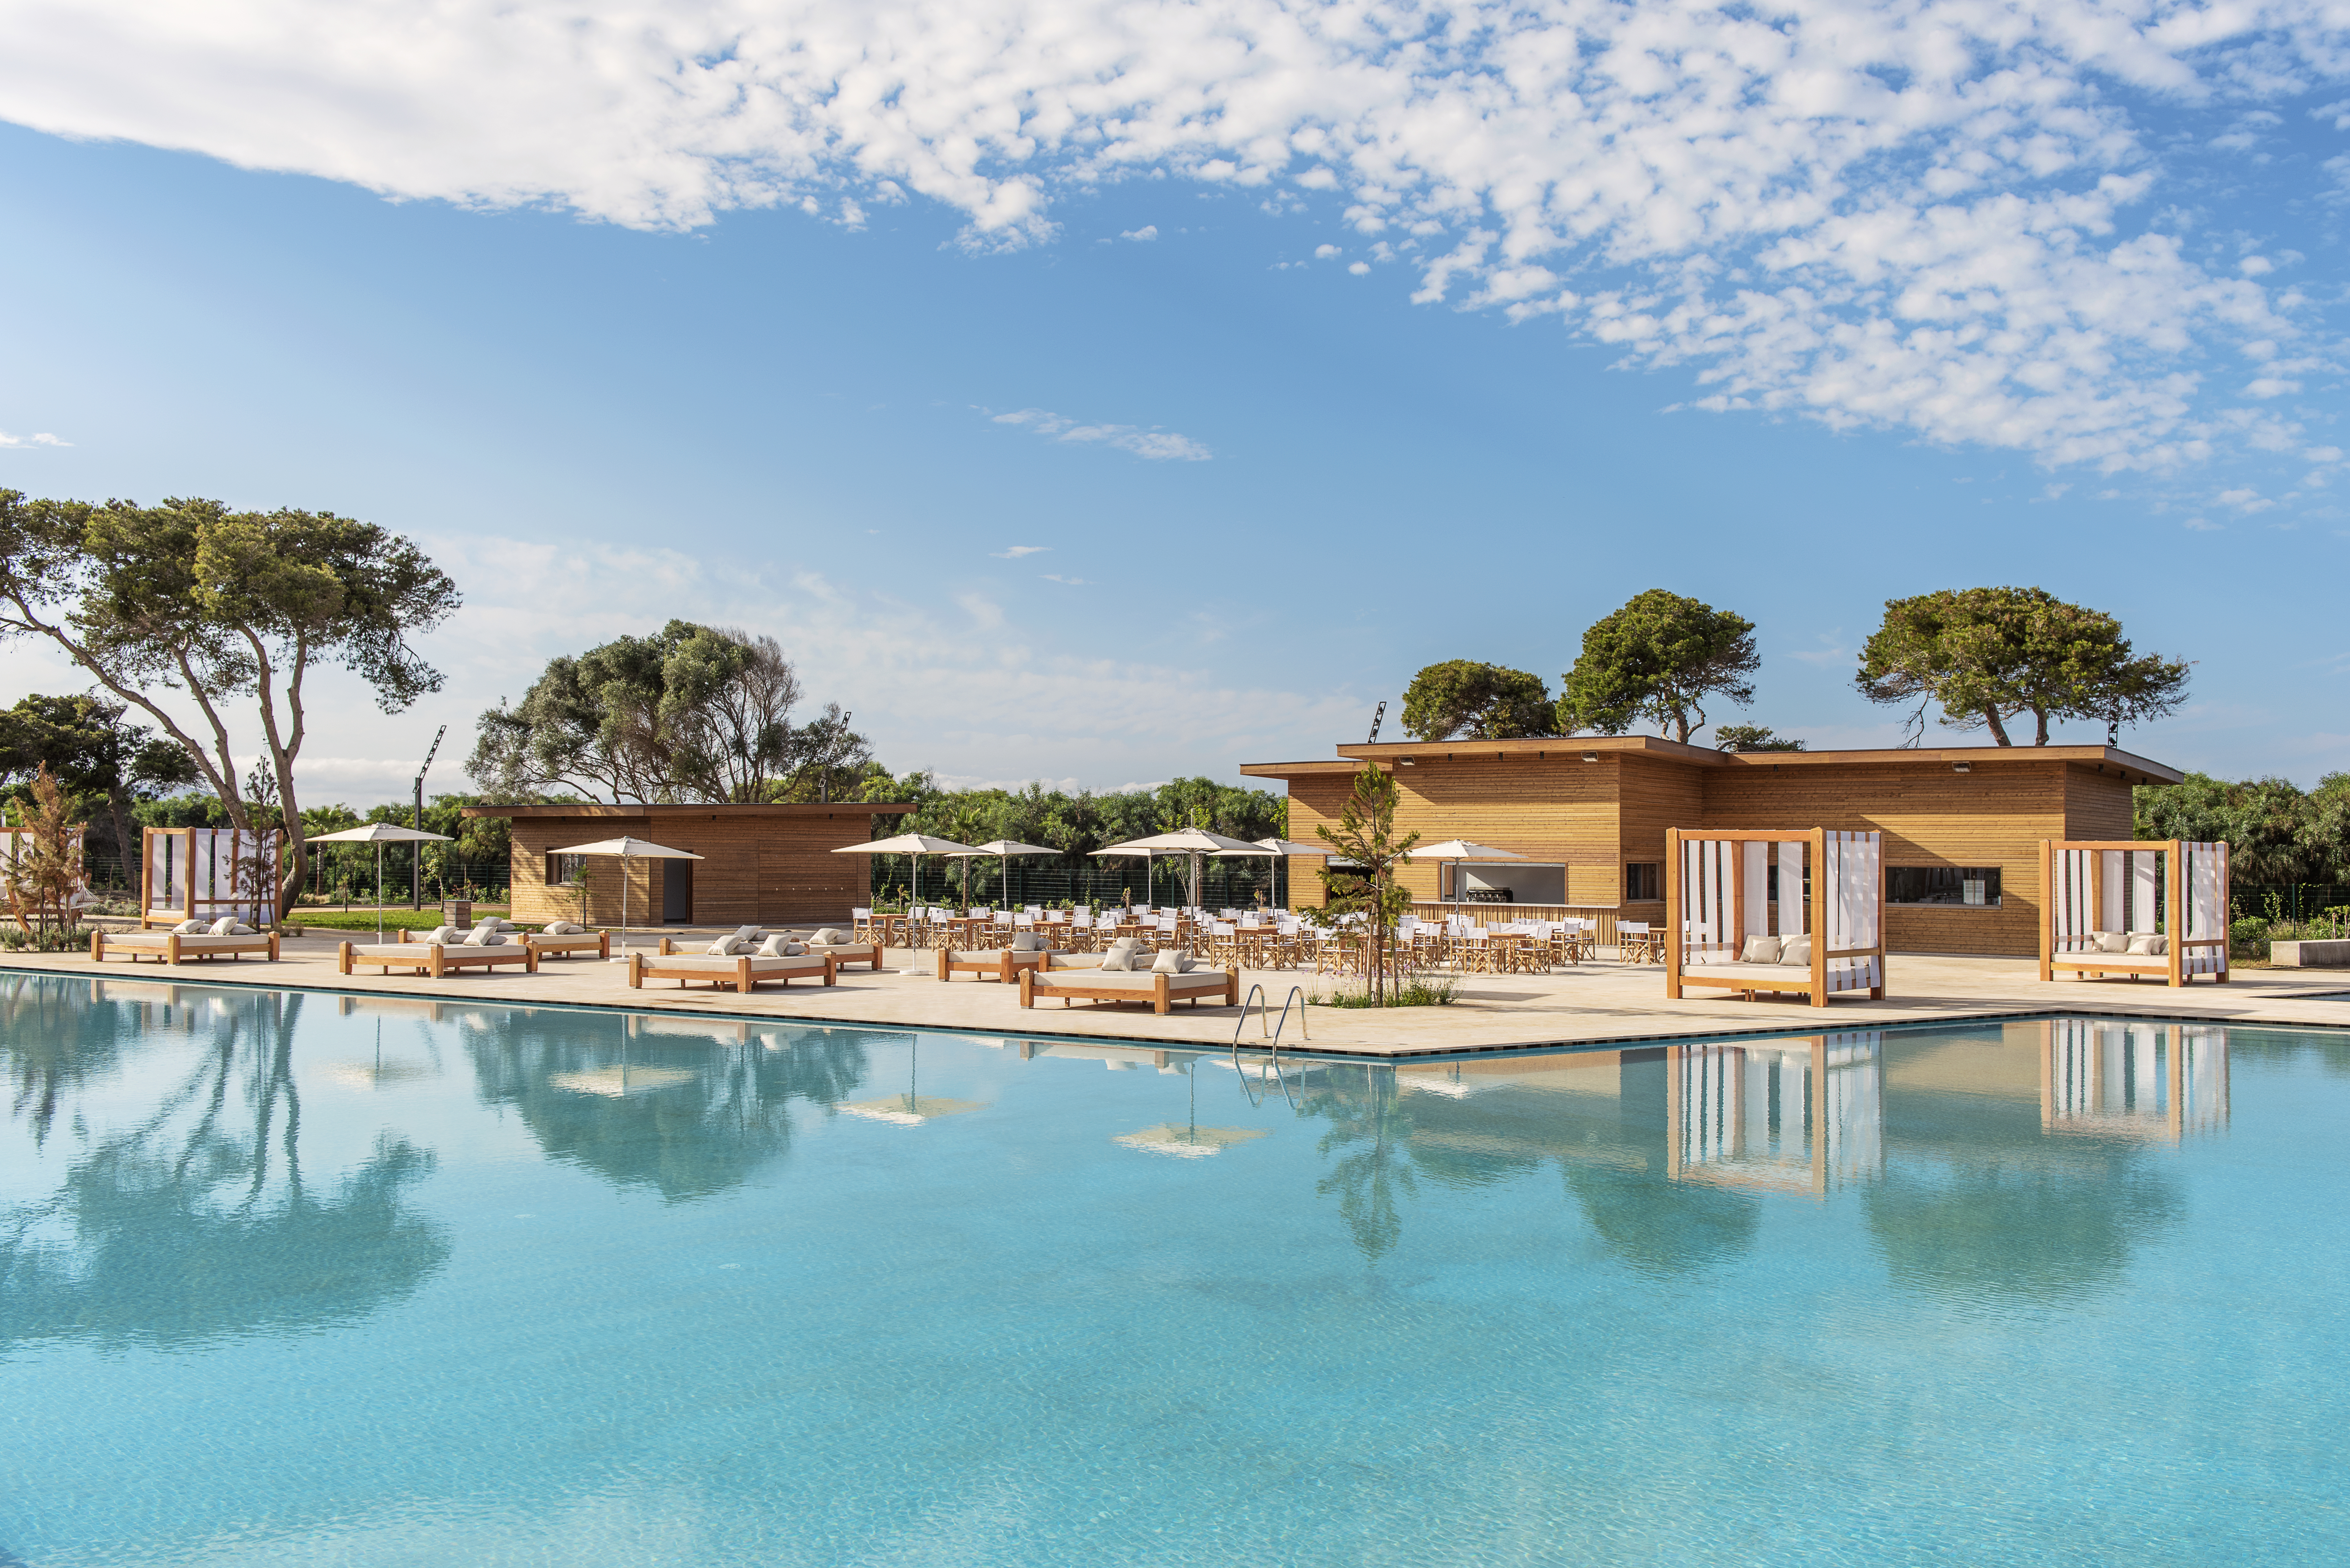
(1599, 1003)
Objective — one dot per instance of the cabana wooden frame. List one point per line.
(2128, 885)
(191, 874)
(1717, 895)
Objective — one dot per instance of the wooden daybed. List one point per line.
(1002, 964)
(1161, 991)
(2173, 890)
(172, 948)
(743, 971)
(435, 959)
(842, 954)
(597, 942)
(1719, 909)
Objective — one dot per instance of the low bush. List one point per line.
(16, 938)
(1416, 991)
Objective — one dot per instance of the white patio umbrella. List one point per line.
(1002, 848)
(1192, 841)
(1276, 849)
(1456, 850)
(629, 850)
(916, 844)
(379, 834)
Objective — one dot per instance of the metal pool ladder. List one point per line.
(1263, 1005)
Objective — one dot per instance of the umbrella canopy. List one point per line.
(1192, 841)
(910, 844)
(627, 849)
(379, 834)
(1456, 850)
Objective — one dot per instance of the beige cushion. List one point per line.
(192, 927)
(728, 947)
(2149, 945)
(1168, 962)
(224, 927)
(1120, 955)
(486, 937)
(562, 928)
(746, 933)
(441, 936)
(829, 934)
(1795, 951)
(1027, 942)
(774, 947)
(1760, 949)
(2109, 941)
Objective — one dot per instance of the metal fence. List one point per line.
(2285, 900)
(337, 869)
(1234, 884)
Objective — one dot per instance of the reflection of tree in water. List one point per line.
(197, 1220)
(1366, 1118)
(1659, 1225)
(685, 1137)
(53, 1039)
(2038, 1228)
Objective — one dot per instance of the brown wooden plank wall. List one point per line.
(766, 870)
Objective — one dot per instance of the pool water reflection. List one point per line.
(306, 1278)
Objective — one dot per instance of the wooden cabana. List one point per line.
(2134, 907)
(1738, 901)
(205, 873)
(1795, 1114)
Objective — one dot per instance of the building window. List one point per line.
(1643, 882)
(562, 868)
(1968, 887)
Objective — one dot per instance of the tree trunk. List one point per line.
(1998, 730)
(2040, 738)
(133, 851)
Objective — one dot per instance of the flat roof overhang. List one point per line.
(1385, 755)
(586, 808)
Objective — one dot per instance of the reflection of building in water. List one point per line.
(2133, 1080)
(1800, 1114)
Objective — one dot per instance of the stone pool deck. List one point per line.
(1597, 1004)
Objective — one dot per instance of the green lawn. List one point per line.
(393, 919)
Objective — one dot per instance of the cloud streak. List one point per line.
(1930, 215)
(1157, 445)
(43, 439)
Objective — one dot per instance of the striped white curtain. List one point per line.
(1708, 881)
(1793, 919)
(1854, 884)
(2206, 900)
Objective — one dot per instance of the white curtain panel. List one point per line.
(1792, 918)
(1856, 886)
(1754, 857)
(2114, 893)
(1856, 1111)
(2145, 885)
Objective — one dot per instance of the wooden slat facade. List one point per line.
(763, 864)
(1543, 800)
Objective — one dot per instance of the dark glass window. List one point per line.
(1972, 887)
(1643, 882)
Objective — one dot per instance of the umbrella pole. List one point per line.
(378, 892)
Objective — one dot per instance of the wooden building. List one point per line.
(1962, 825)
(762, 865)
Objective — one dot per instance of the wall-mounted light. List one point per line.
(1962, 767)
(1591, 756)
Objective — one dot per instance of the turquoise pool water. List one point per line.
(300, 1279)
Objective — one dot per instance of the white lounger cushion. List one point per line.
(702, 963)
(1790, 975)
(193, 943)
(1129, 979)
(486, 936)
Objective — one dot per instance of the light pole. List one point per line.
(416, 856)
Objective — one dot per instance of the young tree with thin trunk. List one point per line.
(1365, 835)
(189, 606)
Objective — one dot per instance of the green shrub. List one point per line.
(56, 940)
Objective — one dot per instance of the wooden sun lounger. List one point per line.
(597, 942)
(172, 947)
(435, 958)
(1002, 964)
(1161, 991)
(742, 972)
(2098, 965)
(846, 953)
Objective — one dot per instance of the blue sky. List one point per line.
(1133, 405)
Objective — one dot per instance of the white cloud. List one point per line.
(44, 439)
(1359, 269)
(1068, 582)
(1147, 231)
(2244, 501)
(1324, 253)
(1156, 444)
(1922, 214)
(2202, 526)
(1016, 551)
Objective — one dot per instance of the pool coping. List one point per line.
(1644, 1040)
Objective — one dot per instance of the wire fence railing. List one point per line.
(342, 875)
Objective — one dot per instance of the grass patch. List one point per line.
(1413, 992)
(364, 920)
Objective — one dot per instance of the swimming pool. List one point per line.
(300, 1278)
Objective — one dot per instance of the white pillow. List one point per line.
(727, 947)
(775, 946)
(2109, 941)
(1760, 949)
(241, 929)
(796, 949)
(560, 928)
(1184, 961)
(223, 925)
(440, 936)
(1120, 955)
(484, 937)
(192, 927)
(1795, 951)
(746, 933)
(2149, 945)
(1027, 942)
(829, 935)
